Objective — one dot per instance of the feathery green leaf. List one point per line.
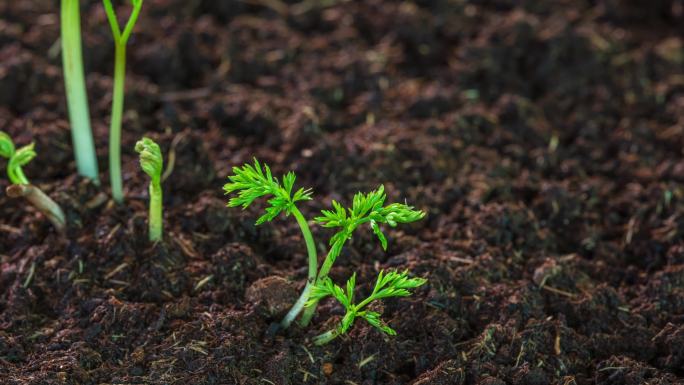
(251, 182)
(392, 284)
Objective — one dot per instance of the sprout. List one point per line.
(120, 40)
(77, 98)
(152, 163)
(21, 186)
(252, 182)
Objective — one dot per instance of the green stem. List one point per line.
(155, 216)
(326, 337)
(115, 124)
(77, 98)
(313, 267)
(322, 274)
(16, 175)
(41, 201)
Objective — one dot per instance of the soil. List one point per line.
(543, 138)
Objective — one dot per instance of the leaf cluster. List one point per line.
(392, 284)
(256, 181)
(366, 208)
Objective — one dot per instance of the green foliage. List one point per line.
(151, 160)
(392, 284)
(252, 182)
(16, 158)
(366, 208)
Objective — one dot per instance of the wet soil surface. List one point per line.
(544, 139)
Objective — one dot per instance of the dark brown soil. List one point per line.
(543, 138)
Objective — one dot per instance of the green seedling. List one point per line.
(252, 182)
(77, 98)
(21, 187)
(388, 285)
(120, 41)
(152, 163)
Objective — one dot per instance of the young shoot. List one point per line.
(120, 40)
(388, 285)
(74, 83)
(252, 182)
(21, 186)
(366, 208)
(152, 163)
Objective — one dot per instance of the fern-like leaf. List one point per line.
(251, 182)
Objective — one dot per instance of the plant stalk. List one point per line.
(40, 201)
(322, 274)
(313, 269)
(16, 175)
(115, 124)
(155, 215)
(77, 98)
(326, 337)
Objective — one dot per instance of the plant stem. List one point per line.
(322, 274)
(77, 98)
(155, 215)
(326, 337)
(16, 175)
(41, 201)
(120, 40)
(313, 268)
(115, 124)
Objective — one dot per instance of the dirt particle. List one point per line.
(138, 355)
(327, 368)
(274, 294)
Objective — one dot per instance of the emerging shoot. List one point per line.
(21, 186)
(152, 163)
(120, 40)
(252, 182)
(392, 284)
(77, 98)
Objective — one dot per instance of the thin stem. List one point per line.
(16, 175)
(313, 267)
(363, 303)
(322, 274)
(115, 124)
(42, 202)
(326, 337)
(155, 215)
(77, 98)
